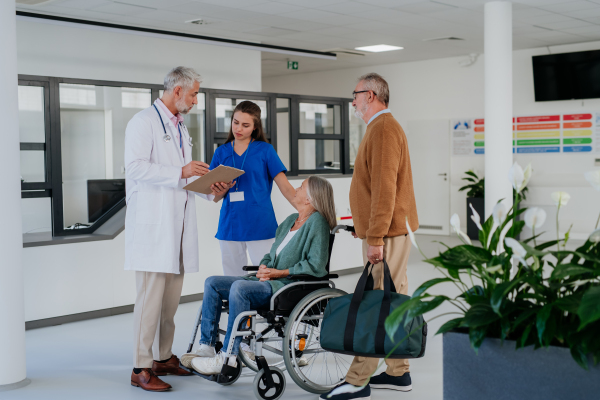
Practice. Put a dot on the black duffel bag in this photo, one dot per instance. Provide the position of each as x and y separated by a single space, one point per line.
354 324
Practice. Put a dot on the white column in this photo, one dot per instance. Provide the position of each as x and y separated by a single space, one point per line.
498 103
12 320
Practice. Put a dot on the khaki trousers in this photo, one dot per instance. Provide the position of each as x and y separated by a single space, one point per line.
395 251
157 300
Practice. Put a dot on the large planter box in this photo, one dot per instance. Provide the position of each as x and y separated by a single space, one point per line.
499 372
479 206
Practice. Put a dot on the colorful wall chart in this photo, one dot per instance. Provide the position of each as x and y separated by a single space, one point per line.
561 133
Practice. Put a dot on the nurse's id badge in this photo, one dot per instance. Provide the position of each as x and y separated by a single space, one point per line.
236 196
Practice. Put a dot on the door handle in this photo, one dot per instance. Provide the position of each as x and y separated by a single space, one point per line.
444 175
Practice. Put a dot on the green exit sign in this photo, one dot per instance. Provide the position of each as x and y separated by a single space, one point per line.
292 64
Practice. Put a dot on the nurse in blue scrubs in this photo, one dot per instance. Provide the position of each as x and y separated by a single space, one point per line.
247 221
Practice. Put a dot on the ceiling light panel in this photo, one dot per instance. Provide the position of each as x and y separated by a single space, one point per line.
378 48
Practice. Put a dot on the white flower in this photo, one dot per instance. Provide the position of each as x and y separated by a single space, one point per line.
595 236
347 388
593 177
411 234
519 251
455 223
475 217
515 176
499 213
560 198
535 217
519 178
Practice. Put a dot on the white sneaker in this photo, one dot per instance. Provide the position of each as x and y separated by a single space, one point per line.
206 351
202 351
302 361
247 351
211 365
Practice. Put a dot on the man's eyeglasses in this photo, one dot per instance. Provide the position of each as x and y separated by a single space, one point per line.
362 91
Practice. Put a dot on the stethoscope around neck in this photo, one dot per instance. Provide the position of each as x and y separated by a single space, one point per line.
167 137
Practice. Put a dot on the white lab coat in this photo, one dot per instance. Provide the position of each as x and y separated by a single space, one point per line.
157 205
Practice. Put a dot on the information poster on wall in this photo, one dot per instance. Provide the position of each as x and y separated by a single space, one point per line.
559 133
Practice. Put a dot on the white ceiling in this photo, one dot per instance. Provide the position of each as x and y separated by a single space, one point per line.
328 24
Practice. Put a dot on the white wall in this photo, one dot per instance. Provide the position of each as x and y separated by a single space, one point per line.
74 278
54 50
442 89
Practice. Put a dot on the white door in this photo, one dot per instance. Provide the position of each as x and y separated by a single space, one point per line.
429 147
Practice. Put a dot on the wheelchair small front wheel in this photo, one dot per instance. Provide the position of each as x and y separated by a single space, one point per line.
264 391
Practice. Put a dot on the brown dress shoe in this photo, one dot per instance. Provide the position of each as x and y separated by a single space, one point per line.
170 367
147 380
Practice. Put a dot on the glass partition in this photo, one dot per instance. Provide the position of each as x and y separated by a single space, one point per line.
31 114
36 215
93 121
319 154
320 119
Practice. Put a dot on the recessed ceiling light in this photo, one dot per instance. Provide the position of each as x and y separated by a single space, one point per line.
378 48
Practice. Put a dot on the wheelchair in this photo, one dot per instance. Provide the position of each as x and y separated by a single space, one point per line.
285 336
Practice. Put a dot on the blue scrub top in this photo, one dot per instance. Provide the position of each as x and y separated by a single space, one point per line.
253 218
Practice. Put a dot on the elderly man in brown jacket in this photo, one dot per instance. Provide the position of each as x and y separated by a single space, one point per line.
381 200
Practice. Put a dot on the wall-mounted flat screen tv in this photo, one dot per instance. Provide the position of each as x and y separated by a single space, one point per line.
567 76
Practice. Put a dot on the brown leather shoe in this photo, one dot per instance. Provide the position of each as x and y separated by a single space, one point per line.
170 367
147 380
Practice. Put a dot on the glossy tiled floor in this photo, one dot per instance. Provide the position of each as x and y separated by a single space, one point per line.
92 359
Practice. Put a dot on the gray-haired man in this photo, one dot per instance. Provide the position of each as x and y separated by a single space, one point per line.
161 238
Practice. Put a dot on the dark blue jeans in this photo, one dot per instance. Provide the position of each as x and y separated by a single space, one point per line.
242 295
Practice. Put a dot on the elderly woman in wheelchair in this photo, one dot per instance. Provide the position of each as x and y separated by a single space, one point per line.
300 252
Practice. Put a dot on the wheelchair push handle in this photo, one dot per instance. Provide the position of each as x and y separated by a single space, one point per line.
338 228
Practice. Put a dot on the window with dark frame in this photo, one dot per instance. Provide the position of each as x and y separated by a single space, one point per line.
70 191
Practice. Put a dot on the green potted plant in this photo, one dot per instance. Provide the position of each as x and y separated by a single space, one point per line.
527 314
476 199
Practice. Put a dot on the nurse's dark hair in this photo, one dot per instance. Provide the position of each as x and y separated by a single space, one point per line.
252 109
320 195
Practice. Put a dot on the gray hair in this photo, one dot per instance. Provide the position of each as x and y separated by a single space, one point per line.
181 76
378 85
320 195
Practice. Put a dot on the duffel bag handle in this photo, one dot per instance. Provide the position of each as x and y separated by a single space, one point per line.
384 311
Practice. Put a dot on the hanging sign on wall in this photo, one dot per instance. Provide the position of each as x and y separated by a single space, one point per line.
559 133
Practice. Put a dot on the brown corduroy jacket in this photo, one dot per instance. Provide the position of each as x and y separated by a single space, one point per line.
381 193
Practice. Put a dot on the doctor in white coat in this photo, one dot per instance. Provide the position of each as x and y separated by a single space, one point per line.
161 238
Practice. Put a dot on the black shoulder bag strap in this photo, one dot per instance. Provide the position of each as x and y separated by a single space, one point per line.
353 310
384 311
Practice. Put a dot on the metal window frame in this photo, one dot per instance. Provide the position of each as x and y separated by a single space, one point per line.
343 138
53 189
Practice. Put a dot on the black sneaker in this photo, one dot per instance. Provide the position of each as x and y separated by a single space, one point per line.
384 381
362 394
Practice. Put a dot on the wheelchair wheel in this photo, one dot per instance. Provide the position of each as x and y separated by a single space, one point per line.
262 389
320 370
271 349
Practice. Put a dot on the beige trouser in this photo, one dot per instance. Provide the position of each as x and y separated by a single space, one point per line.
157 299
395 251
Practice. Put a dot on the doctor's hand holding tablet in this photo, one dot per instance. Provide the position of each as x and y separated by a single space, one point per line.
247 220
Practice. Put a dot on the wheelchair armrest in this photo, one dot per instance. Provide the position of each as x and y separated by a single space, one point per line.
311 278
250 268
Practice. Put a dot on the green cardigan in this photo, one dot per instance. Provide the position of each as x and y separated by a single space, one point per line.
306 253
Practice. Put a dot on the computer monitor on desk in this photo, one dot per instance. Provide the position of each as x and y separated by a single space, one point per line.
103 194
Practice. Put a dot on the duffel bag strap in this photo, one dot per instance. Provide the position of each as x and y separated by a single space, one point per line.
353 310
384 311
